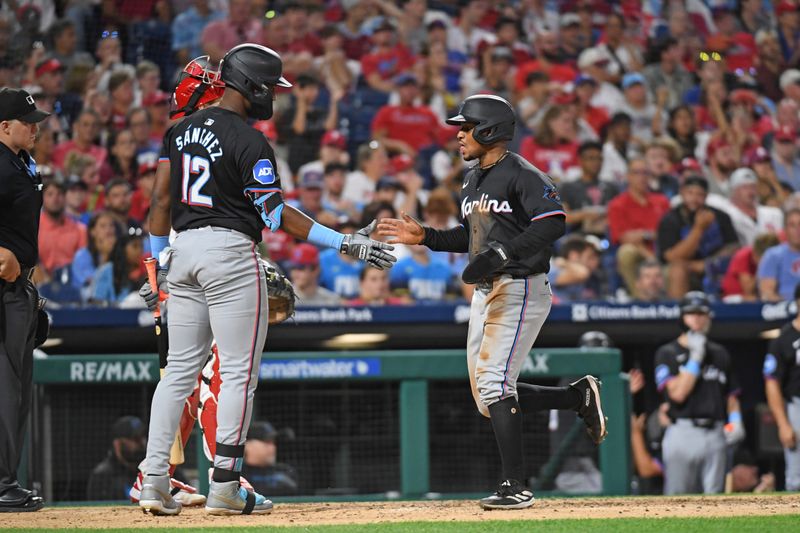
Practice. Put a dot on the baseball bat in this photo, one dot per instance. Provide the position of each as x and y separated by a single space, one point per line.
176 451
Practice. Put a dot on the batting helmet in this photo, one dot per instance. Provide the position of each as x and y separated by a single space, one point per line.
254 71
198 84
694 302
493 117
594 339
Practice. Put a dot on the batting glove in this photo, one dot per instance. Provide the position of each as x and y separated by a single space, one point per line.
360 246
485 263
734 429
152 299
696 343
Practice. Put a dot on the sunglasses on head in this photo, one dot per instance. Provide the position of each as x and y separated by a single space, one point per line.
709 56
109 34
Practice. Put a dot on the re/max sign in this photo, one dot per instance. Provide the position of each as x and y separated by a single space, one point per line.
110 371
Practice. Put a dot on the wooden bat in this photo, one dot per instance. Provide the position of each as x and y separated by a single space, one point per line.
176 452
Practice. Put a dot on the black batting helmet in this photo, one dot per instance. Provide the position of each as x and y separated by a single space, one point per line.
694 302
254 71
493 117
594 339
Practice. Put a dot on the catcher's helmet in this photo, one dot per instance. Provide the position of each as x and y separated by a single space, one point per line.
198 84
594 339
254 71
493 117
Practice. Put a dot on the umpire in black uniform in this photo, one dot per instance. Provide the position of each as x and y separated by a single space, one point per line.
20 203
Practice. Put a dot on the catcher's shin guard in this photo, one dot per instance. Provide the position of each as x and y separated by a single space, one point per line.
210 383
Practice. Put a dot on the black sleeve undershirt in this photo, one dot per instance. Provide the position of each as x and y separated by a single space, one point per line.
449 240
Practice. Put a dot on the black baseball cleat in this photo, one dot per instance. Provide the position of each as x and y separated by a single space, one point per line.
591 409
510 495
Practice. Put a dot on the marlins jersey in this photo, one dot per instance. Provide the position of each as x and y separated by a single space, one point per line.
499 203
782 362
717 381
214 157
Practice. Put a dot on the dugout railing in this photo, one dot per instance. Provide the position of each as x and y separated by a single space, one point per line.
400 386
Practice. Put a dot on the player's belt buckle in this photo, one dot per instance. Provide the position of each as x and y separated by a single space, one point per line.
705 423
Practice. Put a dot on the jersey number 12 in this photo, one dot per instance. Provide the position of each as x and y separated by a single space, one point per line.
197 166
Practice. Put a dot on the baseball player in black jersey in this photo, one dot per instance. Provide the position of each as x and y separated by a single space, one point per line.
782 385
697 380
217 187
511 214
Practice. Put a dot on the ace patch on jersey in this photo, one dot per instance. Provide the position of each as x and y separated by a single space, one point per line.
263 172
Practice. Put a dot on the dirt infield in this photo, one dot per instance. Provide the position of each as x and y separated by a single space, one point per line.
360 513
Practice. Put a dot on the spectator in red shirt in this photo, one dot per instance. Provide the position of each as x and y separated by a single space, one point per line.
596 117
633 219
300 36
237 28
387 59
84 133
356 44
554 149
121 162
157 105
140 199
507 32
406 127
740 283
120 88
59 235
548 60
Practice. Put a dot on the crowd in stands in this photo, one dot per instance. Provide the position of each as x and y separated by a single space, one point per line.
671 129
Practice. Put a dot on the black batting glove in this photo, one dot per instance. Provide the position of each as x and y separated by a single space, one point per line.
485 263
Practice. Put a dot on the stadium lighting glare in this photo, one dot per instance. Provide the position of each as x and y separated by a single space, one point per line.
354 340
770 334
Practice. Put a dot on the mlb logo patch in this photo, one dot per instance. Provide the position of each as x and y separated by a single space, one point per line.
263 172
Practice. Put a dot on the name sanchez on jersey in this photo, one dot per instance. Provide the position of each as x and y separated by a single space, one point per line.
202 136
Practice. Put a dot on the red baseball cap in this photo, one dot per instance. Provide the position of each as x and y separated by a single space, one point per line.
743 96
401 163
304 254
156 98
334 138
564 98
689 163
267 128
755 155
785 6
147 166
785 133
48 65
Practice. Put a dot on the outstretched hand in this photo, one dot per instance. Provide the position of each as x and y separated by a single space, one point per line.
405 231
361 246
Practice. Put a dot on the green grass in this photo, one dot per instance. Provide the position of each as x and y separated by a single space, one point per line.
756 524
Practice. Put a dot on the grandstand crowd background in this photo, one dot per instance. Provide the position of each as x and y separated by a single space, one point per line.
671 128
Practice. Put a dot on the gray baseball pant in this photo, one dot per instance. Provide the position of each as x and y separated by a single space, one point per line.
505 320
694 458
792 457
217 291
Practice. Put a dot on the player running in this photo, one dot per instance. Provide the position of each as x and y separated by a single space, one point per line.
512 215
217 187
